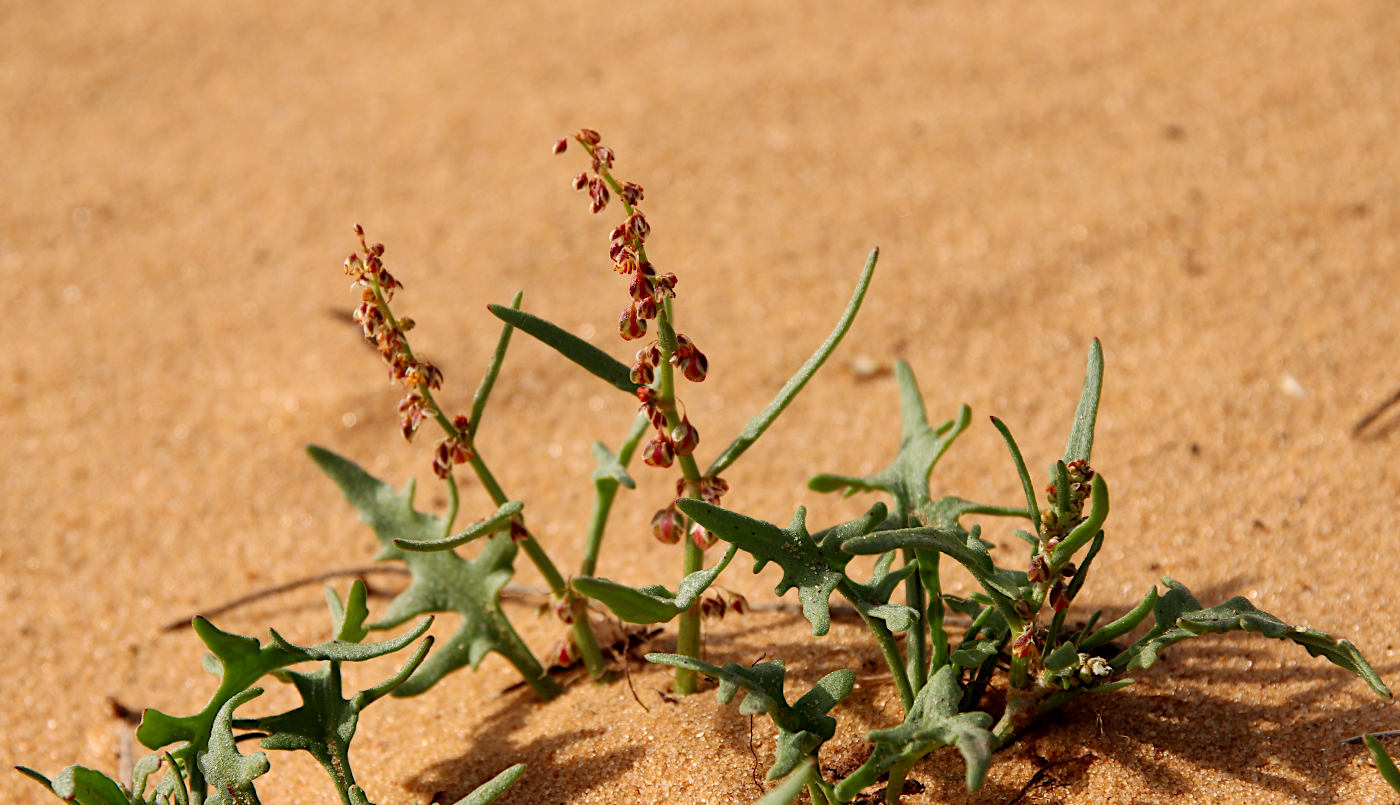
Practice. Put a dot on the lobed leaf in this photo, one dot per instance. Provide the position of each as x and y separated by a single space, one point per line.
933 721
802 727
228 771
653 603
442 580
920 447
1180 617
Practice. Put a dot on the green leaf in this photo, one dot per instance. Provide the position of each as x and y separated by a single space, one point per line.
570 346
1081 435
488 791
348 620
240 661
1180 617
81 785
1084 532
499 521
920 447
1027 486
442 580
792 786
230 773
815 570
1003 586
608 472
325 723
760 421
802 727
1384 764
653 603
932 722
493 369
1123 625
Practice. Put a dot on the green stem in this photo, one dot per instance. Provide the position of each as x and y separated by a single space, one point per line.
934 614
916 641
894 788
884 638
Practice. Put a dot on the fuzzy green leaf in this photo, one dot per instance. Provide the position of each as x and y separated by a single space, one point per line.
802 727
442 580
932 722
792 786
760 421
608 472
1081 435
490 525
81 785
229 772
814 569
1180 617
570 346
1003 586
487 792
920 447
653 603
325 723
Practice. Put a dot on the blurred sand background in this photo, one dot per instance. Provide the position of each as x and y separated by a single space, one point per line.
1209 188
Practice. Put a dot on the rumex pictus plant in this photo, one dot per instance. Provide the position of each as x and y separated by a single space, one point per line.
198 754
975 688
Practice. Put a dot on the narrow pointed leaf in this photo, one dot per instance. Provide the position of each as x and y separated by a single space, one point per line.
570 346
1081 435
489 791
1384 764
496 522
760 421
653 603
493 369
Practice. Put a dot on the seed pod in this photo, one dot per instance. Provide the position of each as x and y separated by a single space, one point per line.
1038 571
658 452
631 326
561 145
738 603
589 137
642 374
563 611
580 181
685 437
702 537
631 193
1059 598
666 525
695 367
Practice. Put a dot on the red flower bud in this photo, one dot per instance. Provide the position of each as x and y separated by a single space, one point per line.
685 437
658 452
641 374
589 137
630 325
738 603
695 367
702 537
561 145
666 525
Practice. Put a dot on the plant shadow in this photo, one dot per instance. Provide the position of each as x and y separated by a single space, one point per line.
450 780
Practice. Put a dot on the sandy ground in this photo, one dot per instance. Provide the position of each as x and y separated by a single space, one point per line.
1210 188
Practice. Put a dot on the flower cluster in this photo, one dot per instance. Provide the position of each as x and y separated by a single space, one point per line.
648 291
1055 526
418 377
